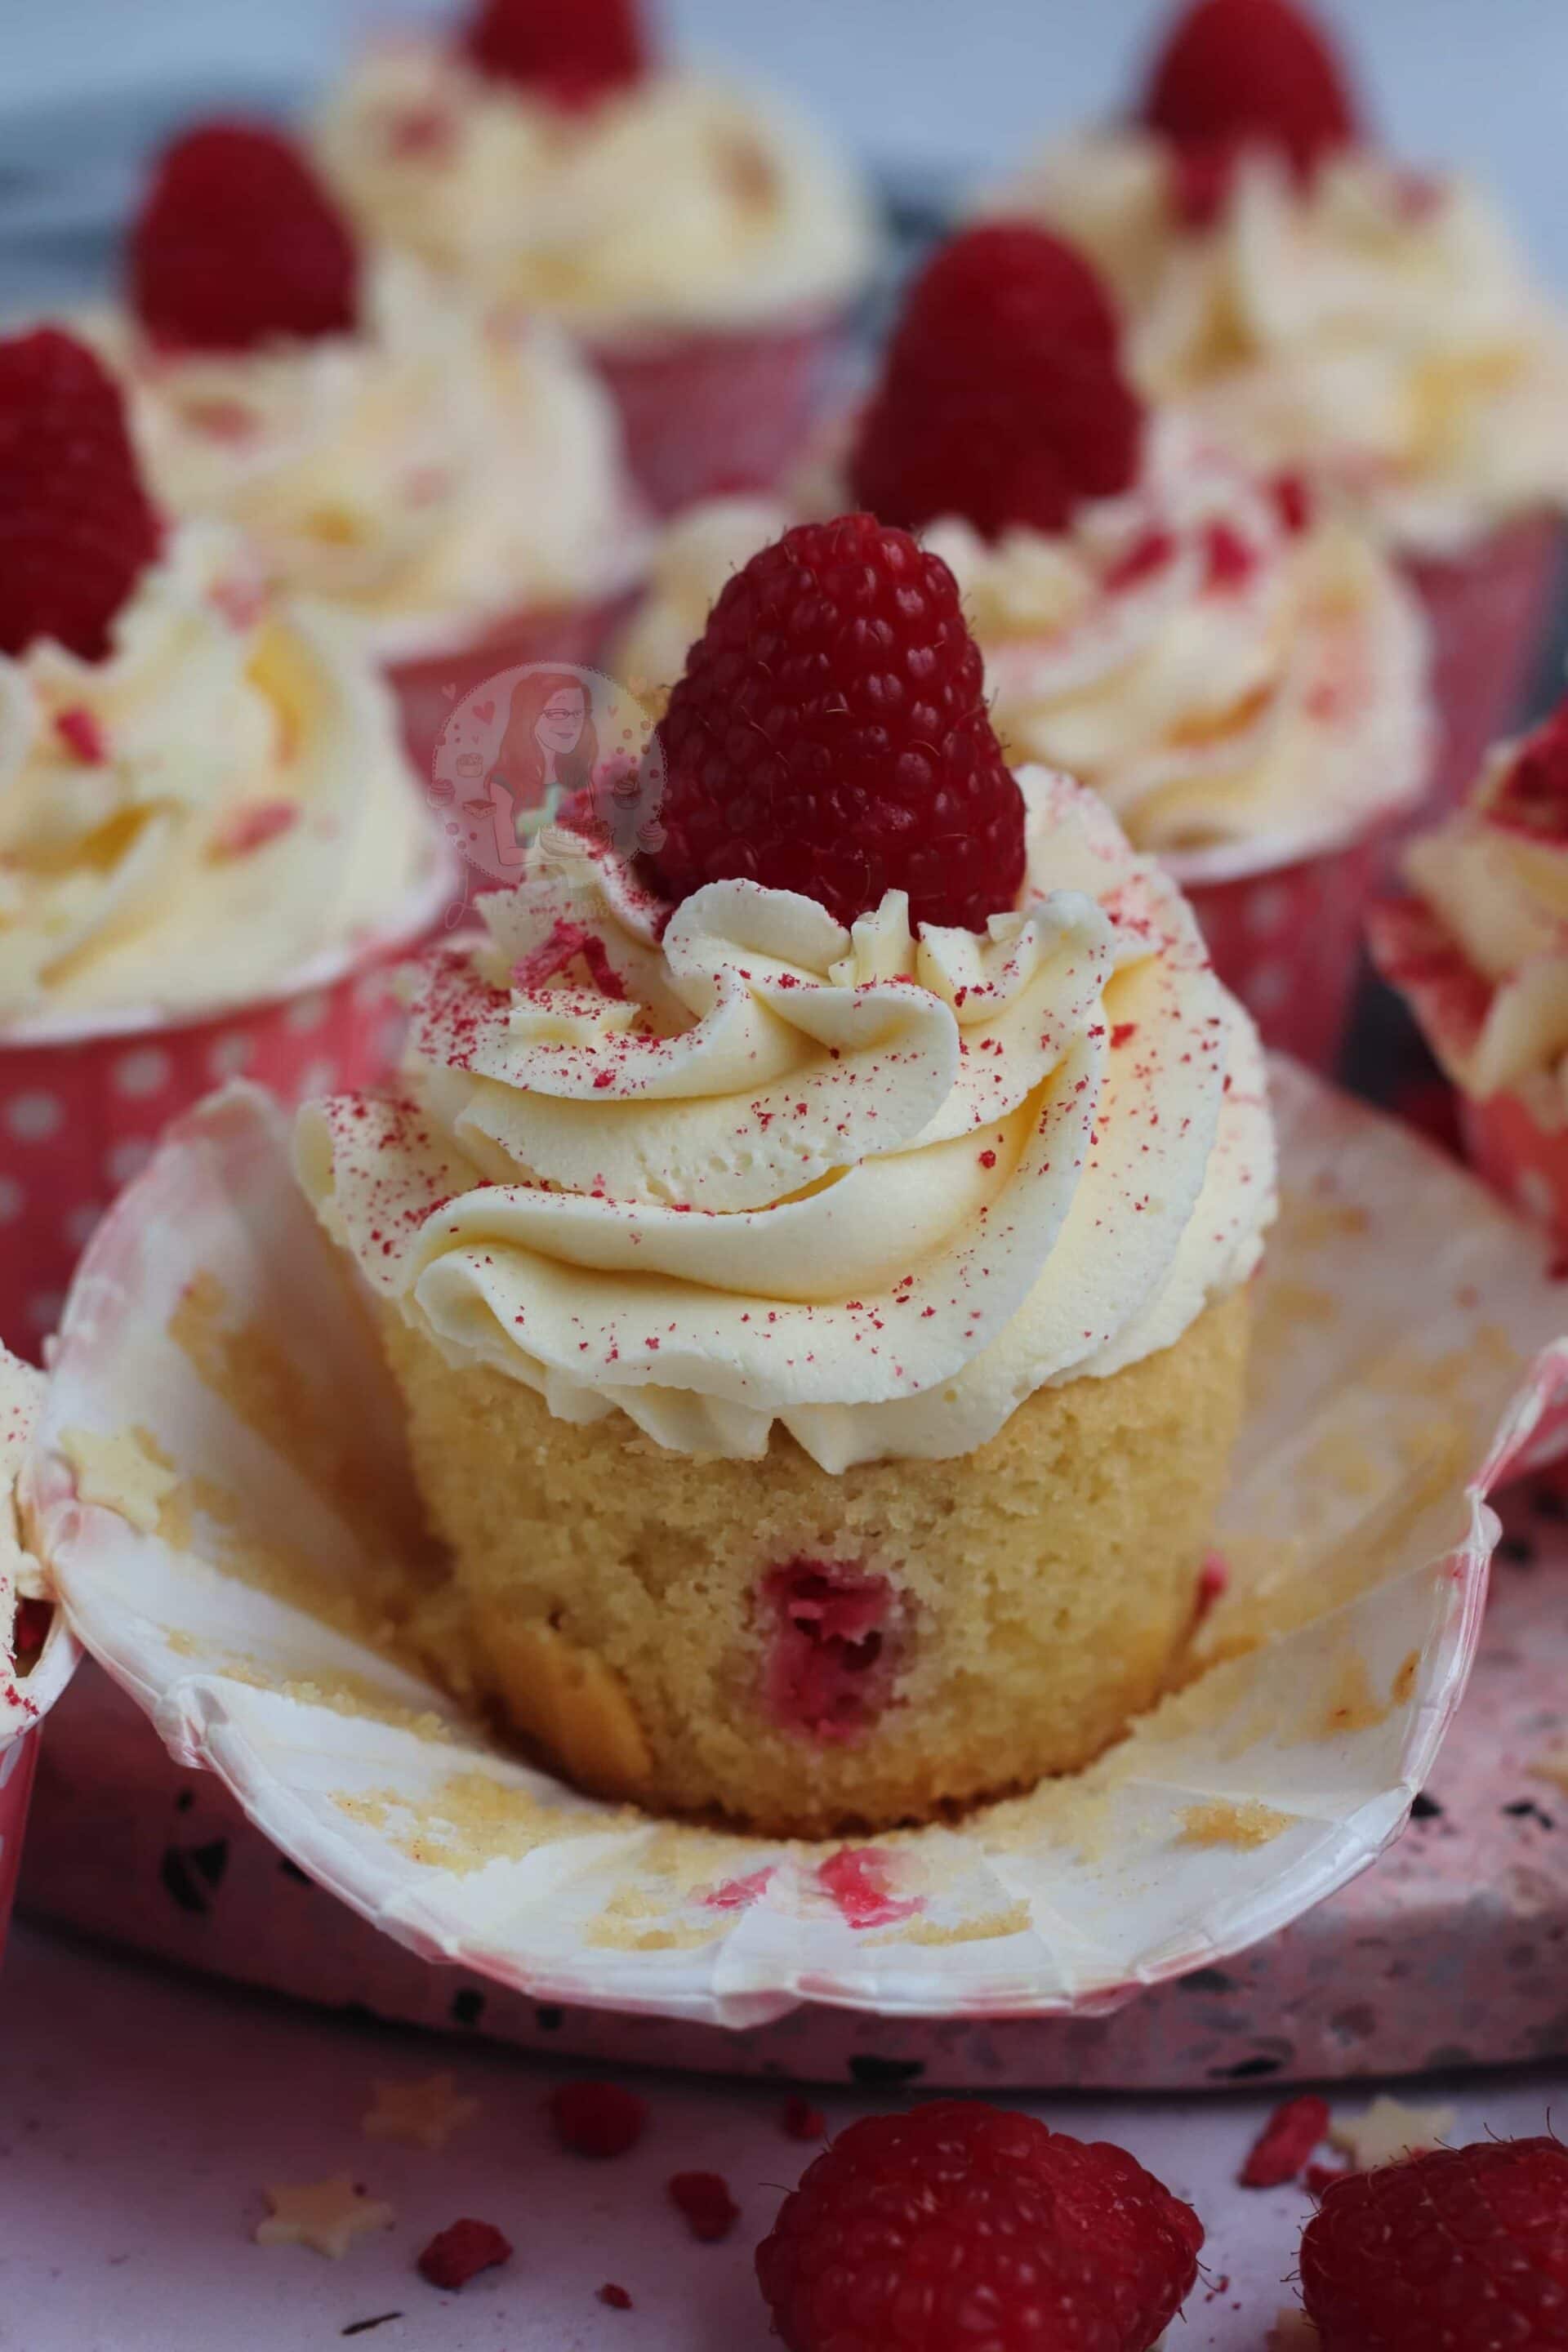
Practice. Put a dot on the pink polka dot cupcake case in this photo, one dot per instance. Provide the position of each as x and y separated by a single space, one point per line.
211 847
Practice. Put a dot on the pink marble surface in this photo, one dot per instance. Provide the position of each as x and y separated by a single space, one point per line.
144 2110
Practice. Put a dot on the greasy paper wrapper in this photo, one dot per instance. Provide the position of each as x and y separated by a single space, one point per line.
708 412
1285 937
429 684
1490 613
82 1105
1403 1362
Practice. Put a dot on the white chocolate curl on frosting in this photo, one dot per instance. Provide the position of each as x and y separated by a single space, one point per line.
676 202
220 801
878 1188
1379 329
1228 683
431 473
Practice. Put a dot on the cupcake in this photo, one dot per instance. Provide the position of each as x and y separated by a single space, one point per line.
815 1260
705 244
205 813
455 483
1235 668
1478 944
37 1654
1337 315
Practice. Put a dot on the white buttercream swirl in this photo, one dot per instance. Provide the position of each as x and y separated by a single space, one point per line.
1491 980
874 1187
220 800
1379 329
1225 682
430 473
673 203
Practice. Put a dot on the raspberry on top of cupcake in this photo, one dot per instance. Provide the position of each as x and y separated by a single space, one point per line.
382 444
817 1119
1479 945
884 1149
201 787
1330 308
1225 660
547 156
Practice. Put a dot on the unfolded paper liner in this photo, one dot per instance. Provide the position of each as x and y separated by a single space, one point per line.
428 686
84 1098
1407 1355
712 410
1490 612
25 1698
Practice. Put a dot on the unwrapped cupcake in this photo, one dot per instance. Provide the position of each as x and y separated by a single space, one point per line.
1478 946
705 244
206 819
454 480
1340 317
1235 668
815 1261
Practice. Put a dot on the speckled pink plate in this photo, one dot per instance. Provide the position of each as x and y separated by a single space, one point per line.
1404 1361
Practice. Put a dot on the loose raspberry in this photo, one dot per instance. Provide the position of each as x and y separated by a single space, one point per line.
1003 398
1240 73
461 2252
829 1660
959 2223
1463 2250
237 244
801 2120
76 528
1286 2141
597 2119
704 2201
573 52
1533 795
614 2297
831 737
82 734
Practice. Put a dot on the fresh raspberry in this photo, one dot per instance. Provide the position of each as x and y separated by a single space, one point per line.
1240 73
239 244
704 2202
1003 398
615 2298
829 1664
461 2252
830 736
573 52
963 2225
801 2120
1533 794
1463 2250
76 528
597 2119
1289 2136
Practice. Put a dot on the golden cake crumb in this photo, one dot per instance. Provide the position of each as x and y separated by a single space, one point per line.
1226 1822
127 1472
1293 2332
1552 1765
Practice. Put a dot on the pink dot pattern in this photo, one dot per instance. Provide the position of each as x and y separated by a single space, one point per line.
703 414
79 1121
1287 943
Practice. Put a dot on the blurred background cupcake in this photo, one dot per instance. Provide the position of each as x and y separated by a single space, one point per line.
1479 948
1237 668
1338 315
451 479
705 243
211 844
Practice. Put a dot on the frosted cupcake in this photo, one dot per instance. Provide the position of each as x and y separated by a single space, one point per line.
1336 315
1480 948
704 245
457 485
815 1262
1239 672
205 811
